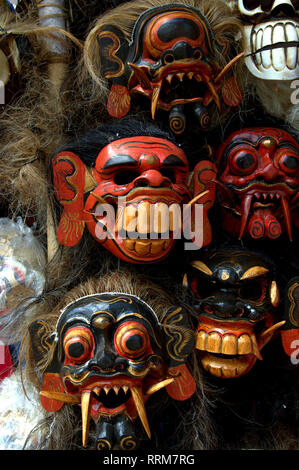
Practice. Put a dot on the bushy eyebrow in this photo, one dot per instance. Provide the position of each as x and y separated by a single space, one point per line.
119 160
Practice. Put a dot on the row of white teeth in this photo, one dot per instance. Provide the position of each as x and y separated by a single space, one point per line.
181 75
146 217
278 58
228 344
106 388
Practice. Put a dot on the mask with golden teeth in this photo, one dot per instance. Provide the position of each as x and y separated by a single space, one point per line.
237 306
172 59
109 354
131 200
258 170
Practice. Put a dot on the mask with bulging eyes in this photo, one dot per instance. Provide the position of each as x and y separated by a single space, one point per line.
131 200
258 169
110 354
271 38
237 308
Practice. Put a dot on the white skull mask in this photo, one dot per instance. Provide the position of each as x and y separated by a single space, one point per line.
271 38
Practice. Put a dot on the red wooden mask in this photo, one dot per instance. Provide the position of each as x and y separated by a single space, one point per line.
130 201
171 60
111 354
259 172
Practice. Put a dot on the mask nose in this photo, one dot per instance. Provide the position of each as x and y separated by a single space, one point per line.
152 178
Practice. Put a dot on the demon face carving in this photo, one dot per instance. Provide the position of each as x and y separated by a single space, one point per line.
271 38
130 201
172 60
237 307
110 355
260 170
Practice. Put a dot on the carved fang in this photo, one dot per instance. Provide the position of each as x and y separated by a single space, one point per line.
155 99
85 411
245 213
287 216
138 401
155 388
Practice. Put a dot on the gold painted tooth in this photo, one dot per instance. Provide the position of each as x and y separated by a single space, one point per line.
169 78
144 217
142 247
97 390
274 294
139 403
130 218
175 218
125 388
157 246
129 244
244 344
158 386
198 77
161 218
272 329
180 76
190 75
119 218
229 345
106 390
214 342
201 340
85 412
116 389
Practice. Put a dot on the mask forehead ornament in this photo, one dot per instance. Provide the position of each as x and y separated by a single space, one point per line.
143 180
238 299
110 354
271 38
172 59
259 167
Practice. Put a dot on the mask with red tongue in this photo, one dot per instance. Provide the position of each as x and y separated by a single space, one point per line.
237 309
259 180
110 353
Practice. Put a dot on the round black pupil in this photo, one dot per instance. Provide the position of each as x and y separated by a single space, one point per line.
76 349
245 161
291 162
134 343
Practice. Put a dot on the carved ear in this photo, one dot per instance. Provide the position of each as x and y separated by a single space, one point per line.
290 330
180 343
42 342
113 56
69 180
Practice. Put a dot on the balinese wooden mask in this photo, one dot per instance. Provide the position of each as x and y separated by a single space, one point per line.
110 353
130 200
259 167
237 308
173 60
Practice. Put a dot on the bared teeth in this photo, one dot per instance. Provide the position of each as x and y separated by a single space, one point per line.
190 75
277 196
169 78
228 344
106 389
97 390
116 389
180 76
257 195
265 195
198 77
125 388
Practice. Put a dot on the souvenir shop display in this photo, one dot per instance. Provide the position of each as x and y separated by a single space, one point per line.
149 176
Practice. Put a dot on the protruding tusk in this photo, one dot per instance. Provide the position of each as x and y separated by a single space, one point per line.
274 294
287 216
155 99
228 67
245 213
272 329
155 388
85 412
61 397
196 198
138 400
214 94
255 348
